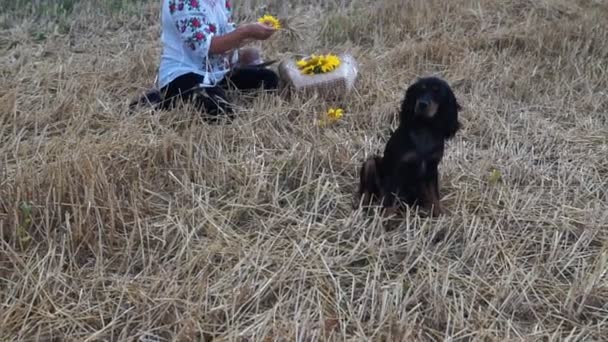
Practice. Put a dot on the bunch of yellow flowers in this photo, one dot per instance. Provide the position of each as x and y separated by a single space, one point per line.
318 64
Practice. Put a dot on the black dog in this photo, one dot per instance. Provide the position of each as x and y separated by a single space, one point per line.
408 171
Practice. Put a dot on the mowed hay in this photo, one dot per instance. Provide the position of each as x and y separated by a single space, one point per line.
155 226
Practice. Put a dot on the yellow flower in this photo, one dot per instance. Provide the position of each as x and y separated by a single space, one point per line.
271 21
318 64
495 176
331 62
333 115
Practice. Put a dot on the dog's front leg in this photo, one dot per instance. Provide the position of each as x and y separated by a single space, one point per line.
437 198
436 206
430 193
391 187
390 204
370 180
428 199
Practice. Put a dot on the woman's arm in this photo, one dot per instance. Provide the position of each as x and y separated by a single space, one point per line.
238 37
198 30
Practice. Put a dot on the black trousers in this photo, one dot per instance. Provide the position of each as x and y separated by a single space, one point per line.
212 102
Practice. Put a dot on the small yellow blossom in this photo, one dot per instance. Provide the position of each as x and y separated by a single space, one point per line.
495 176
271 21
332 115
335 113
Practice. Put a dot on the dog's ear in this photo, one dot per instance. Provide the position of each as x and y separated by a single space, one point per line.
451 107
408 105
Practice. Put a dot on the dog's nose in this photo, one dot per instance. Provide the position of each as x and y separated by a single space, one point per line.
422 106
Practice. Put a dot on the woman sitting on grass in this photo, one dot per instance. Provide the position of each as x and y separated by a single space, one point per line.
200 48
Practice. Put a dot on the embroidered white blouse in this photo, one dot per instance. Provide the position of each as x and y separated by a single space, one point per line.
187 29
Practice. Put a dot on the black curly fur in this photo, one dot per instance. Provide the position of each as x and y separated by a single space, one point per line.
408 171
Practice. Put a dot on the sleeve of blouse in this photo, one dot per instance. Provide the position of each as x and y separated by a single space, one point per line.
194 23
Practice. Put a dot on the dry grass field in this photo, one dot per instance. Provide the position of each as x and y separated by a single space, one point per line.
154 226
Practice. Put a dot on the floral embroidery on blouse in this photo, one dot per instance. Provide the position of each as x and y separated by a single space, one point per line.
199 29
196 40
180 5
195 24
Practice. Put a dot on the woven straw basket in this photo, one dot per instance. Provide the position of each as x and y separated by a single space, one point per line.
334 84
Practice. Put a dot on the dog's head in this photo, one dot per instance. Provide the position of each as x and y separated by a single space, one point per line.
430 99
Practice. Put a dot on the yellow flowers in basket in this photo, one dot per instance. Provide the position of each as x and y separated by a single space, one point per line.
271 21
318 64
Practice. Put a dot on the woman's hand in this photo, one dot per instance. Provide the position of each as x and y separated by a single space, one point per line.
257 31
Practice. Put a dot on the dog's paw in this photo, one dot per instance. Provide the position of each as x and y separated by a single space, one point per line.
441 235
389 212
437 211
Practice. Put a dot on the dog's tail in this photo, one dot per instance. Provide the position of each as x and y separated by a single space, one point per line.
151 98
